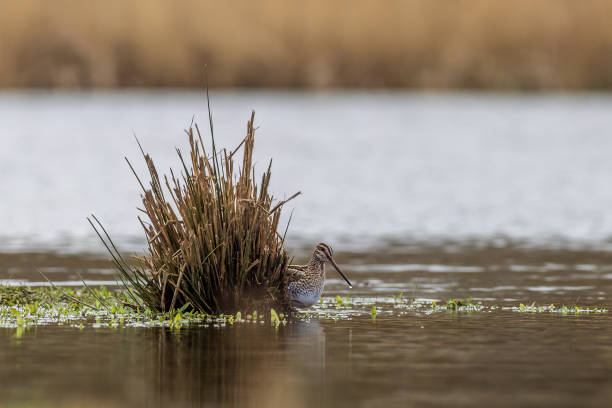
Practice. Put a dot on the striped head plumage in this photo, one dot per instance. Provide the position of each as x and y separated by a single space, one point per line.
324 253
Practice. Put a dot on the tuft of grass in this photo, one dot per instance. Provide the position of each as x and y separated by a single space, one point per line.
212 232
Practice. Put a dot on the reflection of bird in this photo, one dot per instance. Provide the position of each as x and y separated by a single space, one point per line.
306 282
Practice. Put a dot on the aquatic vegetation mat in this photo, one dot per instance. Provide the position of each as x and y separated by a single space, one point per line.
98 307
22 307
212 231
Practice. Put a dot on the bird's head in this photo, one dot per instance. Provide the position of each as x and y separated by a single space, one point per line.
324 253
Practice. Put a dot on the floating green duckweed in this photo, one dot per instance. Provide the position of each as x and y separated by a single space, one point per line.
274 318
564 310
339 308
98 307
341 302
23 307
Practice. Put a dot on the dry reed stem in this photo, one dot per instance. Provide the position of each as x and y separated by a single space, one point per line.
213 244
525 44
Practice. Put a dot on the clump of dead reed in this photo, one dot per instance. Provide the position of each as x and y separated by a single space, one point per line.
212 232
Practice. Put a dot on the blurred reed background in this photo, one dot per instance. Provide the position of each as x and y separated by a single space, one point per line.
519 44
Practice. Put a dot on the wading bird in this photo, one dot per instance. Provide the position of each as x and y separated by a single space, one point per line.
306 282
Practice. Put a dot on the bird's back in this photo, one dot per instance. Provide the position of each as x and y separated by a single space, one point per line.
295 273
304 288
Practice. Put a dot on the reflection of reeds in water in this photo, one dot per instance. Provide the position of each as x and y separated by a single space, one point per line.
238 366
212 233
422 43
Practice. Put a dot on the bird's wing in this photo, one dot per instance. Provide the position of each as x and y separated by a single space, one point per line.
295 272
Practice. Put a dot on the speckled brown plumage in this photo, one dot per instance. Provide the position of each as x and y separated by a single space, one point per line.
306 282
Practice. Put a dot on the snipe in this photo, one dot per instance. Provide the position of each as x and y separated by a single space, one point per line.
306 282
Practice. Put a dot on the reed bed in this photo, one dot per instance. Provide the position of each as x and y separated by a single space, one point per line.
525 44
212 232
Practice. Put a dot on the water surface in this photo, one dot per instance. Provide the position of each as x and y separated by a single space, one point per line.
372 167
340 356
495 359
501 198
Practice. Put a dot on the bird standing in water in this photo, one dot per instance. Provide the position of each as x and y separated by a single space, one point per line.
306 282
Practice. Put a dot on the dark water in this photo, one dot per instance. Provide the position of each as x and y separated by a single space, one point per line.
502 198
405 357
496 359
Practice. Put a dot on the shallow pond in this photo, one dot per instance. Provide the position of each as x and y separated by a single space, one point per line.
496 353
426 197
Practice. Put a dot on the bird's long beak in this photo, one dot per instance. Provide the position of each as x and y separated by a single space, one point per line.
340 272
